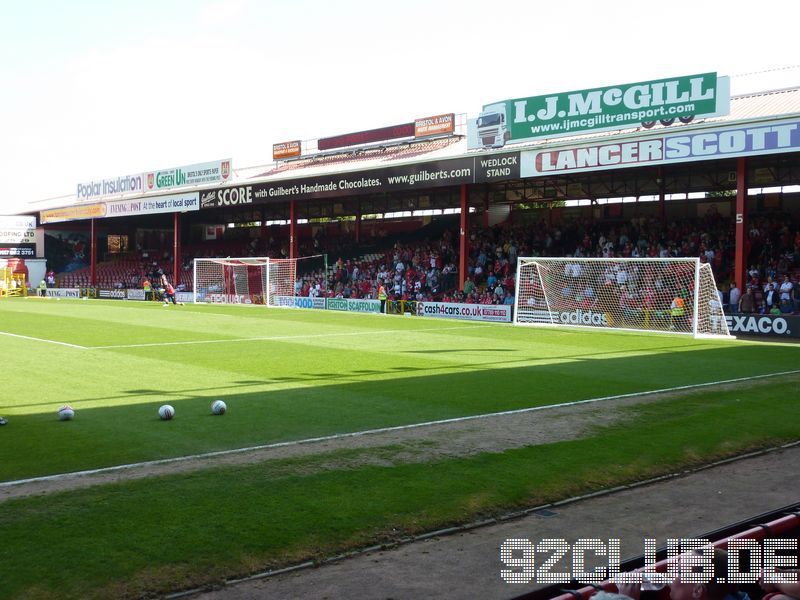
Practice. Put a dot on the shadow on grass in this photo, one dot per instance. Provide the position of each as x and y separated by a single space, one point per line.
98 437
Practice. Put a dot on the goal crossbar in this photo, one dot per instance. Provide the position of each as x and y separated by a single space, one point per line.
251 279
668 295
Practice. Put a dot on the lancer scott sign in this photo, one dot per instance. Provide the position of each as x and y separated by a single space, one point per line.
764 325
473 169
770 137
598 109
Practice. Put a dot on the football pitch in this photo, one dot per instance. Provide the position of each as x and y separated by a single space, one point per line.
291 376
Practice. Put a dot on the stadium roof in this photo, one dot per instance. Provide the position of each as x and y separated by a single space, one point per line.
746 107
750 107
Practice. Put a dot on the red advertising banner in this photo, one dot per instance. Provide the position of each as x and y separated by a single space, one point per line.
366 137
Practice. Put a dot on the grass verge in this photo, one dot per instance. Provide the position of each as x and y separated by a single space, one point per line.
167 533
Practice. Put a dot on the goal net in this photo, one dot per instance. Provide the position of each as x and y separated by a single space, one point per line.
255 280
676 295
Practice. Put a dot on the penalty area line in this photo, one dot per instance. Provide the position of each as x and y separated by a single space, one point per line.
353 434
35 339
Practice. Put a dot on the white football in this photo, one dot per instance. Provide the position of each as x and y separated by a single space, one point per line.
166 412
218 407
66 413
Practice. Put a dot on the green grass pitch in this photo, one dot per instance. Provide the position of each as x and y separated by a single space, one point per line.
291 375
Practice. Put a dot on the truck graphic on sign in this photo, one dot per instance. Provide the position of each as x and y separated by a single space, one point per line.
492 125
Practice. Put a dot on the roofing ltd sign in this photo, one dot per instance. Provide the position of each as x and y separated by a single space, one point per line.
18 236
599 109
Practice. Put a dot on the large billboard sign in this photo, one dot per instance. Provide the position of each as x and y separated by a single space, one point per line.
189 201
73 213
209 172
217 171
127 184
18 236
599 109
770 137
436 125
367 137
472 169
286 150
158 204
17 230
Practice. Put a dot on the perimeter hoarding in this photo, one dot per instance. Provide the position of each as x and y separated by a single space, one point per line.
498 313
764 325
472 169
599 109
353 305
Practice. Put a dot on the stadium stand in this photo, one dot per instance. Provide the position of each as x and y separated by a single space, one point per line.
422 264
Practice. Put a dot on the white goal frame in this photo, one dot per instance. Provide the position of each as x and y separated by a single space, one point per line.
579 292
243 280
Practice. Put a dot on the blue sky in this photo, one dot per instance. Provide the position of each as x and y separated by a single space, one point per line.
101 89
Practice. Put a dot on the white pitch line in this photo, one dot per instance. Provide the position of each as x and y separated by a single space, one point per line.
27 337
339 436
285 337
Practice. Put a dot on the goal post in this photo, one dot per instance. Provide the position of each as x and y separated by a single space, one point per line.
255 280
670 295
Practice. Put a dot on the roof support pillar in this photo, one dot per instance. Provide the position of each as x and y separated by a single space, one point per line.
93 253
358 223
176 248
293 229
740 261
486 209
463 240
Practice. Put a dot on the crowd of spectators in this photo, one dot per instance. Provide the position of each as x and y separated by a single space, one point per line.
427 269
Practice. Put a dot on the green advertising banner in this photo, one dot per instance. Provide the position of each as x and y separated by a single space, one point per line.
600 109
353 305
336 303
